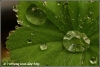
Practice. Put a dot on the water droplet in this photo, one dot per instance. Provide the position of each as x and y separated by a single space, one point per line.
36 64
15 8
29 41
93 60
82 61
19 21
33 9
16 15
74 41
55 16
58 4
16 27
80 26
45 3
91 12
43 46
88 17
32 33
35 15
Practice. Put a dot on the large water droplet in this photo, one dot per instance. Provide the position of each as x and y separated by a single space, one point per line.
35 15
82 61
15 8
43 46
74 41
93 60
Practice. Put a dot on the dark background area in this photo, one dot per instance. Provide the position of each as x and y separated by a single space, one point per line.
8 23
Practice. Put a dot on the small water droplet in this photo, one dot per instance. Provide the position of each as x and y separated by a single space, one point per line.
16 27
58 4
15 8
19 21
45 3
33 9
16 15
72 19
73 41
36 64
80 26
32 33
91 12
93 60
82 61
29 41
88 17
43 46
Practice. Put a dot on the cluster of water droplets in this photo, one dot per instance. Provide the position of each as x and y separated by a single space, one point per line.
75 41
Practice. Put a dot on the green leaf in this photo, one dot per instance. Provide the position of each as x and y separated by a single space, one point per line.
44 25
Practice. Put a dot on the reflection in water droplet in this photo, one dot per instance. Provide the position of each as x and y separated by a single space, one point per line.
29 41
15 8
43 46
35 15
36 64
19 21
93 60
74 41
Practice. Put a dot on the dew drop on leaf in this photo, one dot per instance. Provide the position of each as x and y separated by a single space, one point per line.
15 8
74 41
32 33
16 27
19 21
45 3
82 61
80 26
93 60
43 46
29 41
35 15
33 9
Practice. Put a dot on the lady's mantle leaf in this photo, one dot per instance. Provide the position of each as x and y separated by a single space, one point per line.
42 43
